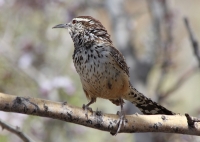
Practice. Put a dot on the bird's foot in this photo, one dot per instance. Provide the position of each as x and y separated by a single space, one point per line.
86 108
121 121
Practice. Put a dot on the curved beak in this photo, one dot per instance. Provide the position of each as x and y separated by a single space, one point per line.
61 26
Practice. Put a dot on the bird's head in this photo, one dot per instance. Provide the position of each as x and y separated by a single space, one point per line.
86 27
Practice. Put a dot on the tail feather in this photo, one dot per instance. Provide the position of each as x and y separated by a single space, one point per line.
146 105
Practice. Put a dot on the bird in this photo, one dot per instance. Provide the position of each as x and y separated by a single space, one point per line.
103 69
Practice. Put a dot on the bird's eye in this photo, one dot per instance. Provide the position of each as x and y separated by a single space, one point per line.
74 21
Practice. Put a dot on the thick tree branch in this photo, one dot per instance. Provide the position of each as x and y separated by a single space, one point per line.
16 131
97 120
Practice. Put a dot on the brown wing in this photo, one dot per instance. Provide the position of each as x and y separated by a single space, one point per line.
119 58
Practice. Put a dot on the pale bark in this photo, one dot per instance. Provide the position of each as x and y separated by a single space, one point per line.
105 122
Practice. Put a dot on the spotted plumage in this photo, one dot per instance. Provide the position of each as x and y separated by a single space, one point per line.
102 68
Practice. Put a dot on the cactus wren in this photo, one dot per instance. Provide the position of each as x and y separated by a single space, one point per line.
102 68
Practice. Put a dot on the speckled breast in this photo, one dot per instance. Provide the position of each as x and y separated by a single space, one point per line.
99 73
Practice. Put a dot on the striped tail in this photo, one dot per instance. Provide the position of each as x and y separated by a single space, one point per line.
146 105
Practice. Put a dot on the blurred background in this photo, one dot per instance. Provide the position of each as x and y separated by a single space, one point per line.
36 61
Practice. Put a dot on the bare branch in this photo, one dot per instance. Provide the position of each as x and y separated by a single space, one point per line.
191 71
191 120
163 21
97 120
179 83
193 40
16 131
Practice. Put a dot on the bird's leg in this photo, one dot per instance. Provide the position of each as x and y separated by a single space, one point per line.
86 107
121 114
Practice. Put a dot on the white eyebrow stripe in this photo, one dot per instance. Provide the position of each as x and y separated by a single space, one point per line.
82 19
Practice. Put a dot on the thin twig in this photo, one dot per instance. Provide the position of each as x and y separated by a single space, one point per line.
16 131
193 40
162 23
191 120
179 83
190 72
